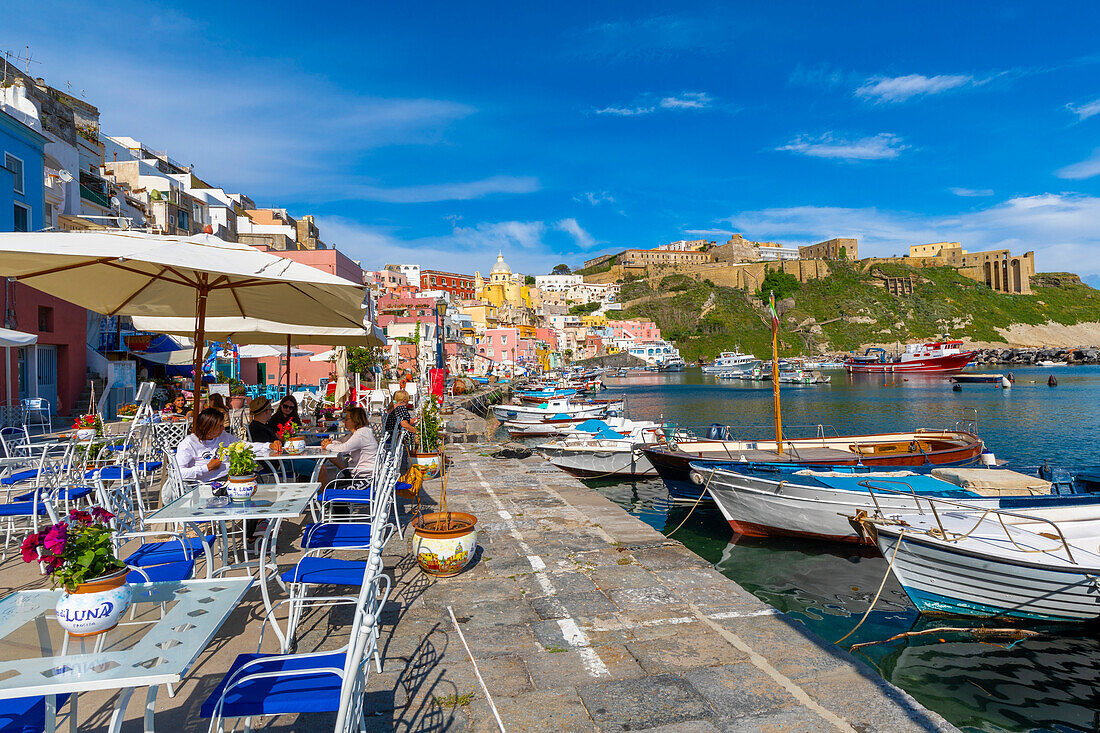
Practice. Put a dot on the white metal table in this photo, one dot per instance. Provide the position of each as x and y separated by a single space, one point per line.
173 623
278 464
271 502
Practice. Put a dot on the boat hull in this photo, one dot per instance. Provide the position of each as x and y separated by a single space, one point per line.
607 463
930 365
944 580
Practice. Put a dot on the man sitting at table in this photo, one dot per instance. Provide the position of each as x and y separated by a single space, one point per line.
197 454
258 428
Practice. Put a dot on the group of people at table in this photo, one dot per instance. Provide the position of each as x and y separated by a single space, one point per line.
198 453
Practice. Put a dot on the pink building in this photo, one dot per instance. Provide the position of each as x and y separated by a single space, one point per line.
390 281
593 346
505 345
634 331
328 260
548 336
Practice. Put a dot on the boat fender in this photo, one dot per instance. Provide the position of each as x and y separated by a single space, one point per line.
714 432
956 387
1052 382
1005 383
696 478
987 458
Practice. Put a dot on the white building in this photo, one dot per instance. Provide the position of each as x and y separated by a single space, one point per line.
557 283
769 253
411 272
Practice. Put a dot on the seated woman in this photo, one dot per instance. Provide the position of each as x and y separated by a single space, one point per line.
287 412
360 446
197 454
177 405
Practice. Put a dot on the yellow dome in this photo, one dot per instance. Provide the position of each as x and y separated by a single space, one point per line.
501 267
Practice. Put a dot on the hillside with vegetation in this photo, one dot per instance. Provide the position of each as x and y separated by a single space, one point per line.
849 310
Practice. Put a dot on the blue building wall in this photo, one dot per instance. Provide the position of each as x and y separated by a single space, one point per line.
27 145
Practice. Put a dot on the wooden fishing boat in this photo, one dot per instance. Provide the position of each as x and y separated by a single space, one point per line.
919 448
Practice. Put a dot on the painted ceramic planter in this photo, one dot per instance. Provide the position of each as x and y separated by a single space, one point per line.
95 606
444 543
294 446
430 461
241 488
85 434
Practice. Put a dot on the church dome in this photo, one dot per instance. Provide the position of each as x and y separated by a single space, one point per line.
501 267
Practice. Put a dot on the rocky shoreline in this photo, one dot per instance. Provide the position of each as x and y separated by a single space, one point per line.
1025 356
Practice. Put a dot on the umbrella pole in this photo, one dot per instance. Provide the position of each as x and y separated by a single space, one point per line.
288 363
200 337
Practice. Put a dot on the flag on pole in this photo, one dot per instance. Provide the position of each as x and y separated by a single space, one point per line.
775 316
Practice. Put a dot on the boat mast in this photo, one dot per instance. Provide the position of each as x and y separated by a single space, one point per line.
775 374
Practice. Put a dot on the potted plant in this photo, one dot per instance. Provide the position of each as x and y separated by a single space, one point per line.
241 484
78 555
236 396
88 427
430 438
127 412
290 436
444 542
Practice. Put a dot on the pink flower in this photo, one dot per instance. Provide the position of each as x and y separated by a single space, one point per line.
101 514
81 516
53 563
55 539
29 548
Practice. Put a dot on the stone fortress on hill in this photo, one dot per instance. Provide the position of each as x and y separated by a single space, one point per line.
741 263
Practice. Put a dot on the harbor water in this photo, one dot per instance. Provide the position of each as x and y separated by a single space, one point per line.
1044 683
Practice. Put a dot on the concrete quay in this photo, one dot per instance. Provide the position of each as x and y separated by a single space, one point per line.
581 618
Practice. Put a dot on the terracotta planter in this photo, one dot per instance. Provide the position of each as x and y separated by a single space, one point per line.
95 606
241 488
428 460
236 401
444 543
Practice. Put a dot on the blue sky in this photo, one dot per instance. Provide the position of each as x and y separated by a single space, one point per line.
441 132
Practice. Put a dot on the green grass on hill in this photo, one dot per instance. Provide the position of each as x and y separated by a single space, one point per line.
860 312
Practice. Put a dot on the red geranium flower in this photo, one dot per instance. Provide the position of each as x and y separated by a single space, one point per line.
81 516
29 548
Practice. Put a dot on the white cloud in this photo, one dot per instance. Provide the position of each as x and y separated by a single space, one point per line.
1084 111
1062 229
625 111
595 197
583 239
687 100
902 88
1085 169
463 191
883 146
971 192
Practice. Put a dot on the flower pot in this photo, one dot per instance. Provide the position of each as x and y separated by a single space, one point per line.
444 542
241 488
430 461
236 401
95 606
294 446
85 433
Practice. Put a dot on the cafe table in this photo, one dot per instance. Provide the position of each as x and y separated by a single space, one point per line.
271 502
172 623
278 464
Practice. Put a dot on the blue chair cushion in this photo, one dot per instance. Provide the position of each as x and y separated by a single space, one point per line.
309 693
347 495
73 492
150 465
110 473
25 714
326 571
19 476
159 573
157 553
20 509
335 534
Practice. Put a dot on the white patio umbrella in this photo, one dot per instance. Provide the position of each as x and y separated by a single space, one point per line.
10 339
263 351
136 274
329 355
340 395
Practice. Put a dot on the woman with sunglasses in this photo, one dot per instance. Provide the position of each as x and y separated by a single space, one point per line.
287 411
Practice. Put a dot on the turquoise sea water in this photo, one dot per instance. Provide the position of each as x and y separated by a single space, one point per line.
1047 683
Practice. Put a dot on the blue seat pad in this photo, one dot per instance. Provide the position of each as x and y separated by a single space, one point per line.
158 573
157 553
20 509
25 714
73 493
150 465
19 476
312 693
351 496
326 571
335 534
110 473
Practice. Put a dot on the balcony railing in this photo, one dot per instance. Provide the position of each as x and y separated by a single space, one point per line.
96 197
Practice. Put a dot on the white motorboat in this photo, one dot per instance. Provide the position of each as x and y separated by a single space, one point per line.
1026 562
1049 363
766 501
563 408
606 454
729 361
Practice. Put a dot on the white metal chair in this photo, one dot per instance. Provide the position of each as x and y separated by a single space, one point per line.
39 406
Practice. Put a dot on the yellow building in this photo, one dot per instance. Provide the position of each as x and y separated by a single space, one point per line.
483 315
502 287
594 320
934 249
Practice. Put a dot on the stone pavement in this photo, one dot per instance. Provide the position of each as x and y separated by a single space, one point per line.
581 617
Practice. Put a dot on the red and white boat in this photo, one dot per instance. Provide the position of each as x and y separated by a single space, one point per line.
941 357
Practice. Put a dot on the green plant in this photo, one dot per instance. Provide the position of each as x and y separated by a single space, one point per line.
242 459
529 280
430 427
780 283
453 700
76 549
562 269
584 309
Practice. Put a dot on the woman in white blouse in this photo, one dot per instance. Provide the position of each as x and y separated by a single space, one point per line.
360 446
197 454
